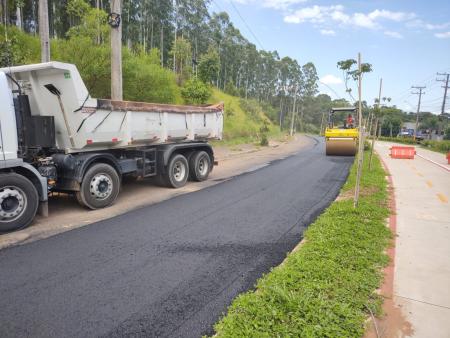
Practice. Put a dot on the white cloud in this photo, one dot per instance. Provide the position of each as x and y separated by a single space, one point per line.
330 79
322 14
313 14
275 4
444 35
327 32
394 16
392 34
363 20
281 4
428 26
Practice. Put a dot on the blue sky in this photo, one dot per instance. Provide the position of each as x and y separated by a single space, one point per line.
406 42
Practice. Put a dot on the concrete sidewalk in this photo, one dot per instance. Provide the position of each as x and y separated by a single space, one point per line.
422 252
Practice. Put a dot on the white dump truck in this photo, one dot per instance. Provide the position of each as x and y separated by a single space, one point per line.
55 137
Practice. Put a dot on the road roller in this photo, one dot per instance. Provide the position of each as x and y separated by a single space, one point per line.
341 140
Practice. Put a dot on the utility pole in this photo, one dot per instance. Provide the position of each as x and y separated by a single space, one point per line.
376 124
447 75
116 50
321 124
361 136
293 112
420 93
44 31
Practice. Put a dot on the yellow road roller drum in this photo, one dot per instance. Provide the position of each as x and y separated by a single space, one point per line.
341 141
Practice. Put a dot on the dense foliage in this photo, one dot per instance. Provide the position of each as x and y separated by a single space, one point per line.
195 91
166 43
189 39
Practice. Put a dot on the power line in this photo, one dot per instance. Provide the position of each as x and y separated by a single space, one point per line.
406 93
217 5
246 25
335 93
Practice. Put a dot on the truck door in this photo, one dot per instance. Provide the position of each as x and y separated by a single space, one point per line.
8 128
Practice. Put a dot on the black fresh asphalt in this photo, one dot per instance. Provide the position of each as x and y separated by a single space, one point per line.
170 269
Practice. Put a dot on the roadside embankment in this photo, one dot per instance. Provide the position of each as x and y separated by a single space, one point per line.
326 288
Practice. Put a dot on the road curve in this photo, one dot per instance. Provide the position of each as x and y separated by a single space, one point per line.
172 268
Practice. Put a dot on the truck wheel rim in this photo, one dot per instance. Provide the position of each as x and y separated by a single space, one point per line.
101 186
13 203
203 166
179 171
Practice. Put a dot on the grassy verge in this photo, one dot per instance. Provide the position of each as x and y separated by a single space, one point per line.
326 288
439 146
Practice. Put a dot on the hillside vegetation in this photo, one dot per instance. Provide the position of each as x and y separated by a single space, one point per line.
144 80
245 121
173 52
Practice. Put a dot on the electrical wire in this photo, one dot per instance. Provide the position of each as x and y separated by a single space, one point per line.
338 97
246 25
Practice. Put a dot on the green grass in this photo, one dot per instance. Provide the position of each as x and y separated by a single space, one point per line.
325 288
243 120
438 146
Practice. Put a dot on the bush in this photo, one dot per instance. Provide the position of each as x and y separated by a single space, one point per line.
252 108
447 134
441 146
145 80
195 91
93 62
231 89
264 140
19 49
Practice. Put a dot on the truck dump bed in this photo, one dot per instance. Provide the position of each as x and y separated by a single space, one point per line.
83 123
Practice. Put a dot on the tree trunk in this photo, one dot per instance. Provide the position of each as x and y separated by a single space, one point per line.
19 17
5 12
161 45
151 34
97 4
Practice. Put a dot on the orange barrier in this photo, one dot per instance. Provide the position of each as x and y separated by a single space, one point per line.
448 157
403 152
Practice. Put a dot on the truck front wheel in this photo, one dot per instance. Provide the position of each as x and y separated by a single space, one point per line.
19 202
100 186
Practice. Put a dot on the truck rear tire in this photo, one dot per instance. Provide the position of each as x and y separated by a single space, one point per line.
100 187
177 171
19 202
199 166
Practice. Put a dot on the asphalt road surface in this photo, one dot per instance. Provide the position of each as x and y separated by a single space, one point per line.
169 269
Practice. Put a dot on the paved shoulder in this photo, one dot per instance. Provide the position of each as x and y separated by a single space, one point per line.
169 269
